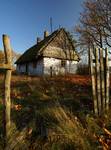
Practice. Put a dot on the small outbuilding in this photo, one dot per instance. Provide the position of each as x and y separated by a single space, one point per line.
53 55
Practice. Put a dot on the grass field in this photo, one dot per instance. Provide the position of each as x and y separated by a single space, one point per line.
52 113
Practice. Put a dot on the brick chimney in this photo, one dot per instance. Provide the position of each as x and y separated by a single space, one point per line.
46 34
38 40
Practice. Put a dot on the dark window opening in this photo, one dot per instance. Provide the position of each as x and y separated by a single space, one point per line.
19 67
34 64
63 63
27 68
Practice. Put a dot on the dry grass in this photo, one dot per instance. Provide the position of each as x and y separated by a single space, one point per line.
60 106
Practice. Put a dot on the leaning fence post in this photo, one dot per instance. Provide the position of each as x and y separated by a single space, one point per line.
7 102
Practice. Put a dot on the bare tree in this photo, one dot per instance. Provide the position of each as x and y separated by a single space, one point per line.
95 23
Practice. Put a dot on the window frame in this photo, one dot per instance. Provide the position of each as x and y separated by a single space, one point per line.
34 64
63 63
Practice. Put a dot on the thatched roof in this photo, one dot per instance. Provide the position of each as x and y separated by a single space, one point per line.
36 51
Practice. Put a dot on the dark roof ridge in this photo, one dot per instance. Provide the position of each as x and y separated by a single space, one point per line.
42 44
50 39
34 52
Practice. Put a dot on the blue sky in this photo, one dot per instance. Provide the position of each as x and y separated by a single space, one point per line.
25 20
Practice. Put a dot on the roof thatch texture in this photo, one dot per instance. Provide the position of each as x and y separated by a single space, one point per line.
37 51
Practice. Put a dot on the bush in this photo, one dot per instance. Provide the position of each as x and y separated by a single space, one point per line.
82 69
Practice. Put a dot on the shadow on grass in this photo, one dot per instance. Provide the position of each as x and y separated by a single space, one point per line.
36 97
50 105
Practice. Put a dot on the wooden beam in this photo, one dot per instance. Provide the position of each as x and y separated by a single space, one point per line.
6 66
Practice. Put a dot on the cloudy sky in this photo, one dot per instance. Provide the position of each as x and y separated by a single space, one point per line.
25 20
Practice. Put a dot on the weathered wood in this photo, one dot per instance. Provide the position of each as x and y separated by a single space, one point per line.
5 66
8 61
107 80
97 65
51 71
102 79
7 49
93 83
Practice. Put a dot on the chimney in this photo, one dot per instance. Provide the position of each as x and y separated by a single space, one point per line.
46 34
38 40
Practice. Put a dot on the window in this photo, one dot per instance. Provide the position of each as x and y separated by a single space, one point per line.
34 64
63 63
19 66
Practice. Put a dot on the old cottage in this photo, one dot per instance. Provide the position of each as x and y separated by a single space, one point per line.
53 55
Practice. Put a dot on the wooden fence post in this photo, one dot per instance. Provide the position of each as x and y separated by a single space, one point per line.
102 76
93 83
100 81
107 80
8 67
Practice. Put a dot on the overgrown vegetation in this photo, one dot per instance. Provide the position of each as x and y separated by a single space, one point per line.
53 114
